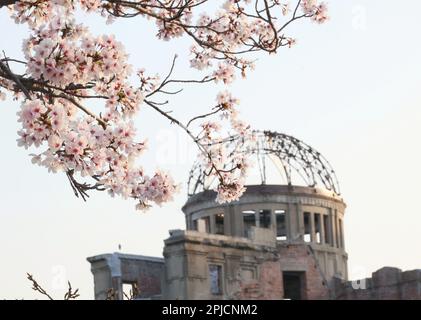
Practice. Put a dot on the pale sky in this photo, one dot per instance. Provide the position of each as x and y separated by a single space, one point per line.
349 88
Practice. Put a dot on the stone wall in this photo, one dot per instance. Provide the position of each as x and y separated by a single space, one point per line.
385 284
249 270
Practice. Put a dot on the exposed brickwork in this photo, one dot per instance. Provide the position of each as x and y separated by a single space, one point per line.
298 257
271 280
267 287
269 284
250 291
148 276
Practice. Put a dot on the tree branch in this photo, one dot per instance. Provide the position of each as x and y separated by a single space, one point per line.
4 3
9 74
37 287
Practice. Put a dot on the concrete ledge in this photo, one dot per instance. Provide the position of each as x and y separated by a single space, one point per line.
124 256
262 192
190 236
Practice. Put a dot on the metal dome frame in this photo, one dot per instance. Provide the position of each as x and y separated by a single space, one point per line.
292 155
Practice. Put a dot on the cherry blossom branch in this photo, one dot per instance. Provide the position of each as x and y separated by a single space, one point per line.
36 86
216 110
168 81
4 3
37 287
203 147
182 126
80 189
8 74
69 295
66 67
169 16
81 107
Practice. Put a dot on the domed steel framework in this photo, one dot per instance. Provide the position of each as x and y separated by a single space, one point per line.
297 162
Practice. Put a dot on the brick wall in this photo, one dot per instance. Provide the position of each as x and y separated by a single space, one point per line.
147 274
298 257
293 257
267 287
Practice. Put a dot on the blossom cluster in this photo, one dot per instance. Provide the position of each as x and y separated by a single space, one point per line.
65 54
231 32
230 163
235 28
317 11
38 12
78 143
77 66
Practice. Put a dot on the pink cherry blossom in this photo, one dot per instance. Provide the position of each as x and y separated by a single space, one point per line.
69 72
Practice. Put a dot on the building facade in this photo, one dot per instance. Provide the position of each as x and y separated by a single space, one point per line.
276 242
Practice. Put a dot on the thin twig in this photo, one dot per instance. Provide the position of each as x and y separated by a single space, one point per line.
37 287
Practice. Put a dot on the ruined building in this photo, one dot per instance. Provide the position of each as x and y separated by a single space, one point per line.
279 241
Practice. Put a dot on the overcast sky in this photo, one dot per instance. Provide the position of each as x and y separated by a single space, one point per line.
349 88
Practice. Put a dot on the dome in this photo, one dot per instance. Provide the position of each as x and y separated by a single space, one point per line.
279 157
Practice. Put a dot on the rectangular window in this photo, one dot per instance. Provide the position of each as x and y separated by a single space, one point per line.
219 223
327 229
215 277
130 290
318 227
202 224
264 218
338 244
341 233
307 227
294 285
249 220
281 230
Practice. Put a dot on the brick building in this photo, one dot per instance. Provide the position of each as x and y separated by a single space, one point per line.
278 241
